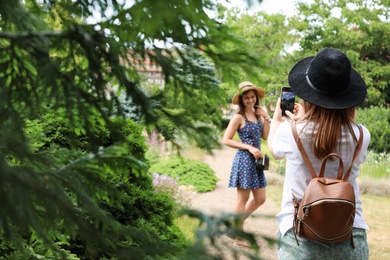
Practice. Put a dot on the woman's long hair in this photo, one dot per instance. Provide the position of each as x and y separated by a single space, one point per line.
328 125
241 106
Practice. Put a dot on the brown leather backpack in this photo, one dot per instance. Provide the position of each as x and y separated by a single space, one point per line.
327 210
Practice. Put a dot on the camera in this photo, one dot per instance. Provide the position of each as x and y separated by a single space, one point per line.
262 163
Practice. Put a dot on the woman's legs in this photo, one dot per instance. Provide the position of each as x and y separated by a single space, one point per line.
242 199
243 206
246 208
256 202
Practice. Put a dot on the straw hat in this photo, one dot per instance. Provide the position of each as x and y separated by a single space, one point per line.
328 80
244 87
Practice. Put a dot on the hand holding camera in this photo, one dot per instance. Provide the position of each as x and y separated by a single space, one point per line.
287 100
262 164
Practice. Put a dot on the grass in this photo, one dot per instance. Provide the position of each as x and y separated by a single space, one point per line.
376 211
188 226
274 193
378 187
377 166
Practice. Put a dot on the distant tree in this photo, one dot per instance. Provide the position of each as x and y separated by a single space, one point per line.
360 28
187 100
268 35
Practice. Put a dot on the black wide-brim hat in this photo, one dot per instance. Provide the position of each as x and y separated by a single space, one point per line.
328 80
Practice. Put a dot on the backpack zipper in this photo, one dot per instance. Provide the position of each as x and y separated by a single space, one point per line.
305 209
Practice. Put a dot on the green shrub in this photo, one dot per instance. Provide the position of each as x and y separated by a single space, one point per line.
377 121
188 172
148 215
152 213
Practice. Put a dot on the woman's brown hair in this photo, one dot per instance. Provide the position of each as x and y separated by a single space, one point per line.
241 106
329 124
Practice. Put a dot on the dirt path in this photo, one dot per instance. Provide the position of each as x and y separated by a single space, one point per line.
222 199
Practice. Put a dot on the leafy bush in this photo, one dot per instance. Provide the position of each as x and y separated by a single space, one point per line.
377 121
140 211
150 212
188 172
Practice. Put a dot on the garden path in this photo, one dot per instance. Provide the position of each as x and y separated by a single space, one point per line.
221 200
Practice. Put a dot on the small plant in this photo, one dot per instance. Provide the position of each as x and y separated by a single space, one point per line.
187 172
157 147
183 194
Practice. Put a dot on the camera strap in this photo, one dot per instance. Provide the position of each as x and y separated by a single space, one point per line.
265 159
250 124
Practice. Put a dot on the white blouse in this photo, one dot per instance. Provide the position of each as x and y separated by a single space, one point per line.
297 176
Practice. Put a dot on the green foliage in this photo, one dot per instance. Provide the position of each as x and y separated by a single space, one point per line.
150 215
188 226
129 109
377 121
268 35
141 217
62 74
198 98
138 207
359 28
34 248
376 166
188 172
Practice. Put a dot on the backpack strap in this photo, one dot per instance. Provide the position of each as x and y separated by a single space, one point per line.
302 150
357 151
340 171
307 160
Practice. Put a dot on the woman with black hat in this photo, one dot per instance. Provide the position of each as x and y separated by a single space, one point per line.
330 89
251 122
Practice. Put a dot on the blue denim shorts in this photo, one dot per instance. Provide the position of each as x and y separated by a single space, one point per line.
310 249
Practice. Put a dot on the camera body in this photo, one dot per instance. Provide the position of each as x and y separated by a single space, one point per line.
259 164
262 163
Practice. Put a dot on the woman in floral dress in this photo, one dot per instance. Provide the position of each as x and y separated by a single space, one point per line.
251 122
